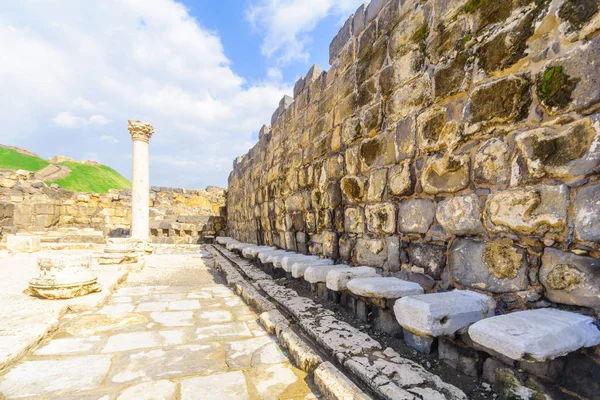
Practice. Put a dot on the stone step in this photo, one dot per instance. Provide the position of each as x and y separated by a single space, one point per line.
251 252
318 273
383 287
299 267
275 259
442 314
223 240
536 335
337 280
263 256
287 262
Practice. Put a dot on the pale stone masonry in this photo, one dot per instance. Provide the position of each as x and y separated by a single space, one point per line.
141 133
454 144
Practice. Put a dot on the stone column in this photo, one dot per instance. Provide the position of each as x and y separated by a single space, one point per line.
141 133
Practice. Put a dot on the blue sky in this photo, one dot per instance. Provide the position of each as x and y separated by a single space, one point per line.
206 74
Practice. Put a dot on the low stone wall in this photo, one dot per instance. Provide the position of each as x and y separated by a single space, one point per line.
177 215
452 143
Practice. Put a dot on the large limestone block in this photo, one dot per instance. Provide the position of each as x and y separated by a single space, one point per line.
383 288
223 240
338 279
300 267
318 274
460 215
372 252
23 244
587 213
494 266
64 277
536 335
529 210
251 253
571 279
442 314
416 215
265 255
287 262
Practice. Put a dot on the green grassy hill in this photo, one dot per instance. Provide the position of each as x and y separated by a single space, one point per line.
83 177
12 159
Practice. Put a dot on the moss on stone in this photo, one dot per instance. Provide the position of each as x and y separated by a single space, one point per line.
474 5
561 150
352 189
554 87
421 34
578 12
467 38
370 150
564 277
502 260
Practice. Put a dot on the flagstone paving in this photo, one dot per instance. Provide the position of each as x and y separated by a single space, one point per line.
174 331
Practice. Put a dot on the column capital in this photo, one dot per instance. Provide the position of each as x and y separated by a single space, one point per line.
139 130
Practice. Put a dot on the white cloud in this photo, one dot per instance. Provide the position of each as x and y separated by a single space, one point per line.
95 64
67 119
287 23
109 139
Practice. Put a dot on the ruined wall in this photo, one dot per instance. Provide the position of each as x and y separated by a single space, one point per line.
455 143
177 215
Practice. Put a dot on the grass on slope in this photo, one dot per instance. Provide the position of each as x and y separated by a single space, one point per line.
13 160
91 178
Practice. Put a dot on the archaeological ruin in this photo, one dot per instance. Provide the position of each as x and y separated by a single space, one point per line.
421 221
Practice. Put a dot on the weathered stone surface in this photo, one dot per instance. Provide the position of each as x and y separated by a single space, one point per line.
430 258
338 279
395 377
587 213
460 215
442 314
571 279
381 218
23 244
383 288
492 162
497 267
371 252
335 385
64 277
536 335
529 210
162 389
353 189
416 215
318 274
55 377
577 13
299 268
500 101
354 220
567 84
400 179
562 152
445 174
409 99
377 183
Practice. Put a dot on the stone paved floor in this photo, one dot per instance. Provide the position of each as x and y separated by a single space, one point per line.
174 331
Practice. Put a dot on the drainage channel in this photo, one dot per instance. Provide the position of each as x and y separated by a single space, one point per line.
294 326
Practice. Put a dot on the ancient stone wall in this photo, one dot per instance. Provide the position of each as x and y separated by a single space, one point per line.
455 143
176 215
